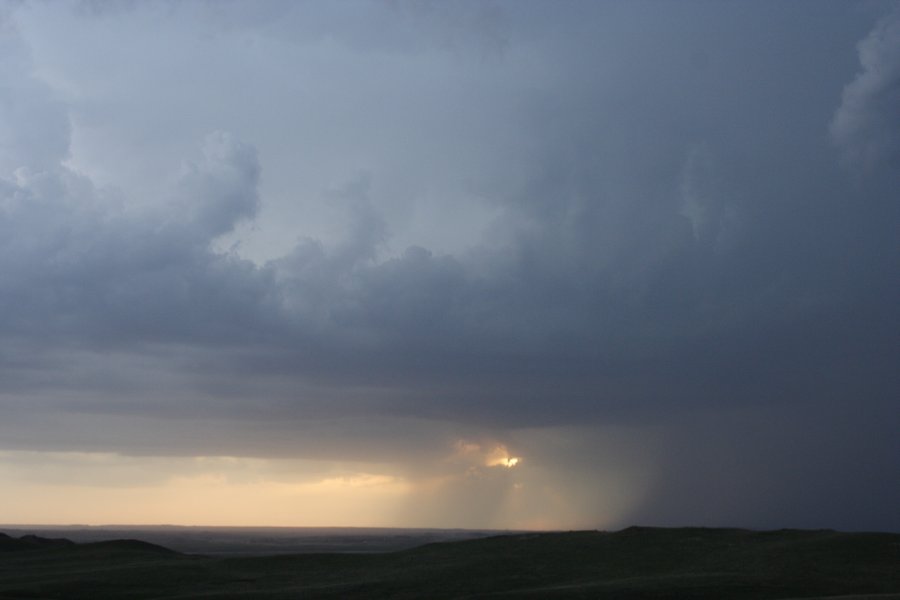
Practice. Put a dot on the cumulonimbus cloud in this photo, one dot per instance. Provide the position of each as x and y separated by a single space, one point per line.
664 236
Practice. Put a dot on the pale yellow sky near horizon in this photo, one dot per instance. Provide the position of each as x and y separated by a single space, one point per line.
476 485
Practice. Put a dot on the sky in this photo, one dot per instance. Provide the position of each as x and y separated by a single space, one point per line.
496 264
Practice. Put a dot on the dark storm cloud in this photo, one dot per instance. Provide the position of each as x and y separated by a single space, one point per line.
650 255
704 217
77 266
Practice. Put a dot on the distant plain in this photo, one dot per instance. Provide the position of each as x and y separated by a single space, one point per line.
638 562
221 541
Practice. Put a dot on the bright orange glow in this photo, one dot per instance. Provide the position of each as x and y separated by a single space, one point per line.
498 455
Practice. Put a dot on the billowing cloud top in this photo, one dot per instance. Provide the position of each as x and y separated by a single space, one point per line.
384 232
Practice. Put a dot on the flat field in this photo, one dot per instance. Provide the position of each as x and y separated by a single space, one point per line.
685 563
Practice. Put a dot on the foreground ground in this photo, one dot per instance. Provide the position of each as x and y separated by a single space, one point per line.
655 563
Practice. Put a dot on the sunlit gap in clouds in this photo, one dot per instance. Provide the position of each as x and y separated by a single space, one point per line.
493 455
547 478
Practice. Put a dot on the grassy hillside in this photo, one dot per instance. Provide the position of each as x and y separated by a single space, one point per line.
634 563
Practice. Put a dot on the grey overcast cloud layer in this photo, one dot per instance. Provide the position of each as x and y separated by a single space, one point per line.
602 233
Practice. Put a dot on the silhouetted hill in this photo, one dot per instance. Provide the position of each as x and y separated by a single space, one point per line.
31 542
258 541
113 547
110 547
638 562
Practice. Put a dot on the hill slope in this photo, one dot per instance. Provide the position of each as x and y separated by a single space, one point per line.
633 563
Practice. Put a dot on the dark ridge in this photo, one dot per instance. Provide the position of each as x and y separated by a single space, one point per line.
646 530
126 546
31 542
42 541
